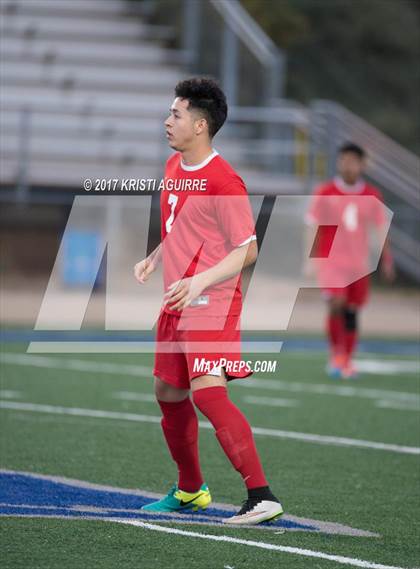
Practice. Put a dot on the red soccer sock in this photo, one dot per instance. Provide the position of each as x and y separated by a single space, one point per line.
336 333
180 427
233 433
350 344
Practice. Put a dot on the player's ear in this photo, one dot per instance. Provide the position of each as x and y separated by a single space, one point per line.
200 125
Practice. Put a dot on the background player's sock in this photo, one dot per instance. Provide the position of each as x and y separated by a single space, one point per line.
180 427
350 317
233 433
350 345
336 333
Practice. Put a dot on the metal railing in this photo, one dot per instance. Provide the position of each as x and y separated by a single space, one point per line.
239 38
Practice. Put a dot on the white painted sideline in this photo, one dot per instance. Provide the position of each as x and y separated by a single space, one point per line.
134 396
305 437
150 398
329 389
270 401
398 405
9 394
260 544
255 382
385 367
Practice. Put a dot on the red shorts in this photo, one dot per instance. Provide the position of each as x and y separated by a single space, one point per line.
182 355
356 293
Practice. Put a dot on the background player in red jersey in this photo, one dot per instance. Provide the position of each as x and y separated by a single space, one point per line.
207 238
340 196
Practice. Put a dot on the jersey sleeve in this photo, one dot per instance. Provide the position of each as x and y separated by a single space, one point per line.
234 214
314 211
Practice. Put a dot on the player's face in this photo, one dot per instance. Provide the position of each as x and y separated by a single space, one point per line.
179 126
350 167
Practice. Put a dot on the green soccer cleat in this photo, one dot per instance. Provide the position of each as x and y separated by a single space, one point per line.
177 500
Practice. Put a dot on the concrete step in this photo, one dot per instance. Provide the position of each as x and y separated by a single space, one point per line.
77 125
117 29
80 145
107 55
86 101
88 53
47 173
85 148
79 78
65 8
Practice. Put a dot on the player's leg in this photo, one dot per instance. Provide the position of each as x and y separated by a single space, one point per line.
351 337
357 295
180 429
235 436
335 327
179 422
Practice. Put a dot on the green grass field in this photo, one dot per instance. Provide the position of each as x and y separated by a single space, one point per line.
365 487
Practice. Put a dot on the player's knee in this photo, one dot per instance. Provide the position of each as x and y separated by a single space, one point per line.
336 306
168 393
350 319
207 395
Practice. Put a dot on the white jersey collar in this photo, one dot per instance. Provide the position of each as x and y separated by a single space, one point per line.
356 188
201 165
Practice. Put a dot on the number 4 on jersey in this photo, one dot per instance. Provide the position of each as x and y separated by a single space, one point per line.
350 217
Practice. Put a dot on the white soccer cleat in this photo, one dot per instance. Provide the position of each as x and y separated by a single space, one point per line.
255 512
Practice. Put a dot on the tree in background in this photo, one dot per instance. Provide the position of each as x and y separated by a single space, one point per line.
362 53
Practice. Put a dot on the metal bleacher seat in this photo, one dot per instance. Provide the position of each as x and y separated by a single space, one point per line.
94 87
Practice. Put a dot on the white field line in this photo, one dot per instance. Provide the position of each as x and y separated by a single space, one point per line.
270 401
259 544
383 367
305 437
134 396
9 394
324 389
75 365
266 401
269 384
397 405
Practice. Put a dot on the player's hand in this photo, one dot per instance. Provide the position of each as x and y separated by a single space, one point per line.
143 270
181 293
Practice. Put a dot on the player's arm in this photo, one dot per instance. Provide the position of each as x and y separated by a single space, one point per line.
386 261
387 266
232 264
184 291
143 269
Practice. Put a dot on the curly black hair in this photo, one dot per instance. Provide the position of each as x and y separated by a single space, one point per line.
205 95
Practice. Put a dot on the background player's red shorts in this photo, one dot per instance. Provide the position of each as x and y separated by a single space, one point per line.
356 293
177 354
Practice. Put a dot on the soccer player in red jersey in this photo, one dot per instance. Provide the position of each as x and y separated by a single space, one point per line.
208 237
340 198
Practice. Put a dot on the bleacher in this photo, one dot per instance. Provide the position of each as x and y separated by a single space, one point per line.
96 82
86 86
96 86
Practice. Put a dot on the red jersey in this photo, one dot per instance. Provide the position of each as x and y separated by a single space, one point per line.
205 214
346 208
